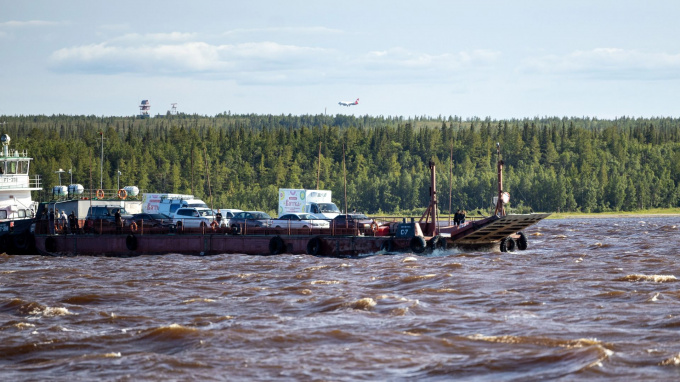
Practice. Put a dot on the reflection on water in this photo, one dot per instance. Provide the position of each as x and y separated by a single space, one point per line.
590 298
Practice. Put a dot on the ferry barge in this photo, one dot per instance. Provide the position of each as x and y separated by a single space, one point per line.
499 230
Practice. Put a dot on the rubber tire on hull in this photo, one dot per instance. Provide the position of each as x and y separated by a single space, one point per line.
314 246
508 244
442 244
522 242
418 244
51 244
235 229
276 246
131 242
387 246
21 241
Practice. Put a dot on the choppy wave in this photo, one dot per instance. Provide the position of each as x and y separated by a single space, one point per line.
556 311
654 278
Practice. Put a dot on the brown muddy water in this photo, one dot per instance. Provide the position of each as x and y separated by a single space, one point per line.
590 299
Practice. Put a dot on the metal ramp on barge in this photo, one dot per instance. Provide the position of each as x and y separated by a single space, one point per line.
492 229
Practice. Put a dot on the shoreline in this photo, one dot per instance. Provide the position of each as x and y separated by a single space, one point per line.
645 215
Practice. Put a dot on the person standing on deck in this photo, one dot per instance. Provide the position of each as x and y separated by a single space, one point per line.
50 222
73 222
119 222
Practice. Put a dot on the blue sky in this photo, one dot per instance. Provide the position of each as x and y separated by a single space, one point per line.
502 59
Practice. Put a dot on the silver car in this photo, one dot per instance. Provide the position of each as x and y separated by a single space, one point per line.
299 220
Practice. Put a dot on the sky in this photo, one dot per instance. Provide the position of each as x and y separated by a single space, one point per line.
499 59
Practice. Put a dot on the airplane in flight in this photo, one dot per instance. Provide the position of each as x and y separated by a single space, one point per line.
348 104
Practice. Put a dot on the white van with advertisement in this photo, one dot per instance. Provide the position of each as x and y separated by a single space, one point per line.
315 202
168 204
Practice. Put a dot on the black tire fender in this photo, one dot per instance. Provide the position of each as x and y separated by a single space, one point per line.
131 242
441 243
51 244
276 245
21 241
235 229
417 244
387 246
314 246
522 242
508 244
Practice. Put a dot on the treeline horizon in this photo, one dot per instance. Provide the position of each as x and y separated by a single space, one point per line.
551 164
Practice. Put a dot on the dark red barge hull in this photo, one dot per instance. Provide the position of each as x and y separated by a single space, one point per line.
213 244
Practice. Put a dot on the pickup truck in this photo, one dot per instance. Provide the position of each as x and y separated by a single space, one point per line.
193 217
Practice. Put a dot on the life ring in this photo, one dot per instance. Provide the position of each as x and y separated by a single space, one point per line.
100 194
276 245
522 242
131 242
387 246
122 194
214 225
51 244
417 244
314 246
133 227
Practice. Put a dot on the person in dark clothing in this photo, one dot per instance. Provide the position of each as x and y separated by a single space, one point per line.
462 217
456 218
119 223
73 222
50 222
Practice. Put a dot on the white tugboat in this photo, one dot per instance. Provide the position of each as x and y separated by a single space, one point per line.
17 209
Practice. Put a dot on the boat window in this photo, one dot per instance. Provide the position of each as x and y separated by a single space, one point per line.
11 168
22 213
3 214
23 167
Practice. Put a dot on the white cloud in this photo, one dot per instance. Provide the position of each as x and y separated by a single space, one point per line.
286 30
31 24
136 38
179 54
608 63
188 58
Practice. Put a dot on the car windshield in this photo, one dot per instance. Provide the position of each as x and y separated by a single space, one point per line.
260 215
158 216
206 212
306 216
328 207
359 216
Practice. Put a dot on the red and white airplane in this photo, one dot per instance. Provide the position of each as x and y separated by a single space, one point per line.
348 104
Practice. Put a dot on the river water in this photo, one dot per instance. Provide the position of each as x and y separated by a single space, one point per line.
590 299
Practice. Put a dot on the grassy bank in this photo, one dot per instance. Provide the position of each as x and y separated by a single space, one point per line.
655 212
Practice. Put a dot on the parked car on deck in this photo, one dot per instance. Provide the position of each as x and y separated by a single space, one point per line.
354 220
250 219
104 216
193 217
299 220
227 214
151 220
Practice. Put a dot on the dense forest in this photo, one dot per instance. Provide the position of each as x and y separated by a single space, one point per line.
240 161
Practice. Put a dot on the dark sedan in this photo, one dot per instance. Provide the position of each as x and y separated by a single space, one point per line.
355 220
251 219
150 220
